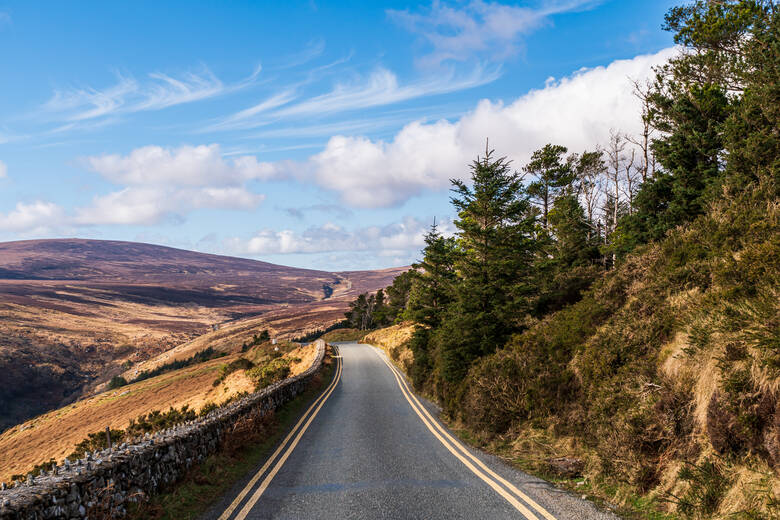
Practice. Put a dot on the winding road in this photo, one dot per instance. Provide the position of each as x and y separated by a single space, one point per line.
369 448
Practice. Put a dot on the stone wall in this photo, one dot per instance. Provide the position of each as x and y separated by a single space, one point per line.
102 484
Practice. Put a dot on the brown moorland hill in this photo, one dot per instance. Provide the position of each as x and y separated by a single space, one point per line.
74 312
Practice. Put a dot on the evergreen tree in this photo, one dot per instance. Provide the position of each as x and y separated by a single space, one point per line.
552 174
731 47
398 295
434 275
496 238
431 293
568 264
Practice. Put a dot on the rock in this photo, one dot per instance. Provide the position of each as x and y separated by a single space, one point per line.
566 467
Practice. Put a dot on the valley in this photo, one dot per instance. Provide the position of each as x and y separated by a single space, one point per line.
74 313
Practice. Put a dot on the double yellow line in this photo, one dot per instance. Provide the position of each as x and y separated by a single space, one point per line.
296 432
509 492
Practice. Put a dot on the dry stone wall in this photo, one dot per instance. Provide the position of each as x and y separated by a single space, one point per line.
103 483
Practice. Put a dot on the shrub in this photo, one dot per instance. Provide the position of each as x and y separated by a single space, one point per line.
116 382
270 373
227 369
200 357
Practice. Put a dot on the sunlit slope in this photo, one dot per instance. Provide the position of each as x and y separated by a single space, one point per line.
54 434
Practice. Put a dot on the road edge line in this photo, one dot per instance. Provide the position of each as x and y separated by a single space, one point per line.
251 484
485 478
264 485
511 487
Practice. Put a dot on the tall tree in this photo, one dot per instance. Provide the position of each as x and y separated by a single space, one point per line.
398 295
496 237
433 289
552 173
590 168
643 92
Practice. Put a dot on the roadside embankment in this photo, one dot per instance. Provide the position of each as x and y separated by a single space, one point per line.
105 482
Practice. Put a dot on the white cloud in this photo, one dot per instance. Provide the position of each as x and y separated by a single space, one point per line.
125 207
163 183
35 218
129 95
577 111
3 169
152 205
479 29
404 237
184 166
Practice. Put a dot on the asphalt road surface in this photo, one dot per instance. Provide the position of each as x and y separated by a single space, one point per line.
369 448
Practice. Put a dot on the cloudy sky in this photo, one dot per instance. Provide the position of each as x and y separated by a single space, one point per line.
315 134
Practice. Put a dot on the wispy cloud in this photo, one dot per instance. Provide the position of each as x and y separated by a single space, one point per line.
313 50
246 118
130 95
487 30
336 210
381 88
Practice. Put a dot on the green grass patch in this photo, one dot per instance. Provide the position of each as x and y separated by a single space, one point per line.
209 481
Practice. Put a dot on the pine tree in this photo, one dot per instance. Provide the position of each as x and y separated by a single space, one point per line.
496 240
432 289
552 173
431 293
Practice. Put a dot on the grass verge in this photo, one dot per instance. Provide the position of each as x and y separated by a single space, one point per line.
207 482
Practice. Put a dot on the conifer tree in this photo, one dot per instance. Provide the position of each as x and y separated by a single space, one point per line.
496 237
552 173
432 290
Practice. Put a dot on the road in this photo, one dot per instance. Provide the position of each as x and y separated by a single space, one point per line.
369 448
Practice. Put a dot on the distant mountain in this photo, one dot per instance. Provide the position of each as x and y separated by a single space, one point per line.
72 311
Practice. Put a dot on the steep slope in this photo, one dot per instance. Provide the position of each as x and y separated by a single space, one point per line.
664 378
74 312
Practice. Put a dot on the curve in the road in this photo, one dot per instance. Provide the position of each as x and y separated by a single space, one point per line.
377 452
490 477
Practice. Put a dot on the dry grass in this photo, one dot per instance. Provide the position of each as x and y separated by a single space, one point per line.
394 340
56 433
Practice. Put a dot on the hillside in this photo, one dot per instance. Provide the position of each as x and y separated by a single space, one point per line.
74 312
56 434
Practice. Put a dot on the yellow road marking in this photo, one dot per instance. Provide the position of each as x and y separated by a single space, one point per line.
498 489
264 485
229 511
460 446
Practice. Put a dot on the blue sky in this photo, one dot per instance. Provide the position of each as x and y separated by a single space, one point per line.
311 134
